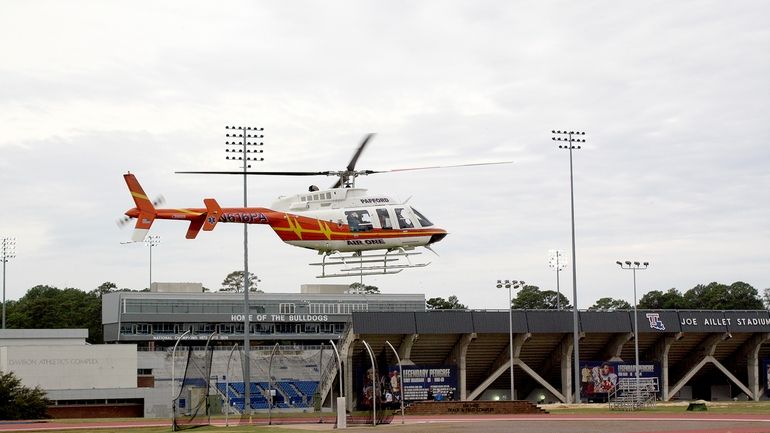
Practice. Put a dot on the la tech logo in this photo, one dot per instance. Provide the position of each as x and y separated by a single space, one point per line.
655 322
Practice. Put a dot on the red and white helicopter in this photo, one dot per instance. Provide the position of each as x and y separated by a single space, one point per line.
341 222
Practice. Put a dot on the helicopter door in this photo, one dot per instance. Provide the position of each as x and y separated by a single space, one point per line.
384 217
359 220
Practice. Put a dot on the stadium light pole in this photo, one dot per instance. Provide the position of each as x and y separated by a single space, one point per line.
633 267
567 137
151 241
510 284
557 262
7 252
244 142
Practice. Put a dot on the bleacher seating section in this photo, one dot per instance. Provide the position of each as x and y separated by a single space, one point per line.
299 392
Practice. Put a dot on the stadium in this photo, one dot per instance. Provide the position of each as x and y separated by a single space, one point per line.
451 355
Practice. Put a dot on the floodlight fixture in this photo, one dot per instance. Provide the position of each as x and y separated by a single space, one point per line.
7 252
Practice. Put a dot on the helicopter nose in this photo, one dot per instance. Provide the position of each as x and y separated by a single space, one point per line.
437 237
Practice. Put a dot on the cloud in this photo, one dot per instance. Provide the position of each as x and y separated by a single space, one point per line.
673 97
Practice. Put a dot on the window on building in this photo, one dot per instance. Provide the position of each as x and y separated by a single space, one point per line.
286 308
203 328
263 328
227 328
163 328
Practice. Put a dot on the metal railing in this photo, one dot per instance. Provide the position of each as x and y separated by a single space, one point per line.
626 395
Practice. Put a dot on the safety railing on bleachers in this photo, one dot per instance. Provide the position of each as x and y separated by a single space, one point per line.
633 394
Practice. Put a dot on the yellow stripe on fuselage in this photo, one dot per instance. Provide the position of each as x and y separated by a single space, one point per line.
189 212
395 232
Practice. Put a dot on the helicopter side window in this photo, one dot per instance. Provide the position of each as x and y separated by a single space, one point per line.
384 217
424 222
359 220
403 219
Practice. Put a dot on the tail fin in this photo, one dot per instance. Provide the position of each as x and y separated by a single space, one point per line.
207 221
146 208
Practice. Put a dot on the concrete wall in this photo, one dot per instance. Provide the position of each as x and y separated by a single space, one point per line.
43 337
72 367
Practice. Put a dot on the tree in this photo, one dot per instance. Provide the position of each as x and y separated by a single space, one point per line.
452 303
712 296
717 296
532 298
609 304
363 288
550 296
46 307
20 402
658 300
766 298
233 282
104 288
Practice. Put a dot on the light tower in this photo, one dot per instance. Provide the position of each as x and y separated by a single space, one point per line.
151 241
557 262
7 252
243 148
571 137
635 266
510 284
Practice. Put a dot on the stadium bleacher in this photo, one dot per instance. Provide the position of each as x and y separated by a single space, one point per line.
299 393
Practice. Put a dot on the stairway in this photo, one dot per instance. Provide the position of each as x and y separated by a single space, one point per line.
627 396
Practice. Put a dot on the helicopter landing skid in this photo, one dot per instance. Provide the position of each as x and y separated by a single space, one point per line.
358 264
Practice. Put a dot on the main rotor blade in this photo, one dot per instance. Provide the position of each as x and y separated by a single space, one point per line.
352 163
263 173
437 166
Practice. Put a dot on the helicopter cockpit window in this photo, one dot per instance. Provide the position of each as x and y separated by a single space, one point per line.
403 219
359 220
384 218
424 222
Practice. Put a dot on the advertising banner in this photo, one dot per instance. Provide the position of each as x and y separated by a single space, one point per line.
599 378
429 383
420 383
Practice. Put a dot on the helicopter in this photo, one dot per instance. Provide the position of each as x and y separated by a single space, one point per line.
363 234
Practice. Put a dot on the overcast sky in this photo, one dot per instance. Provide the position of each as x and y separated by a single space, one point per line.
674 98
